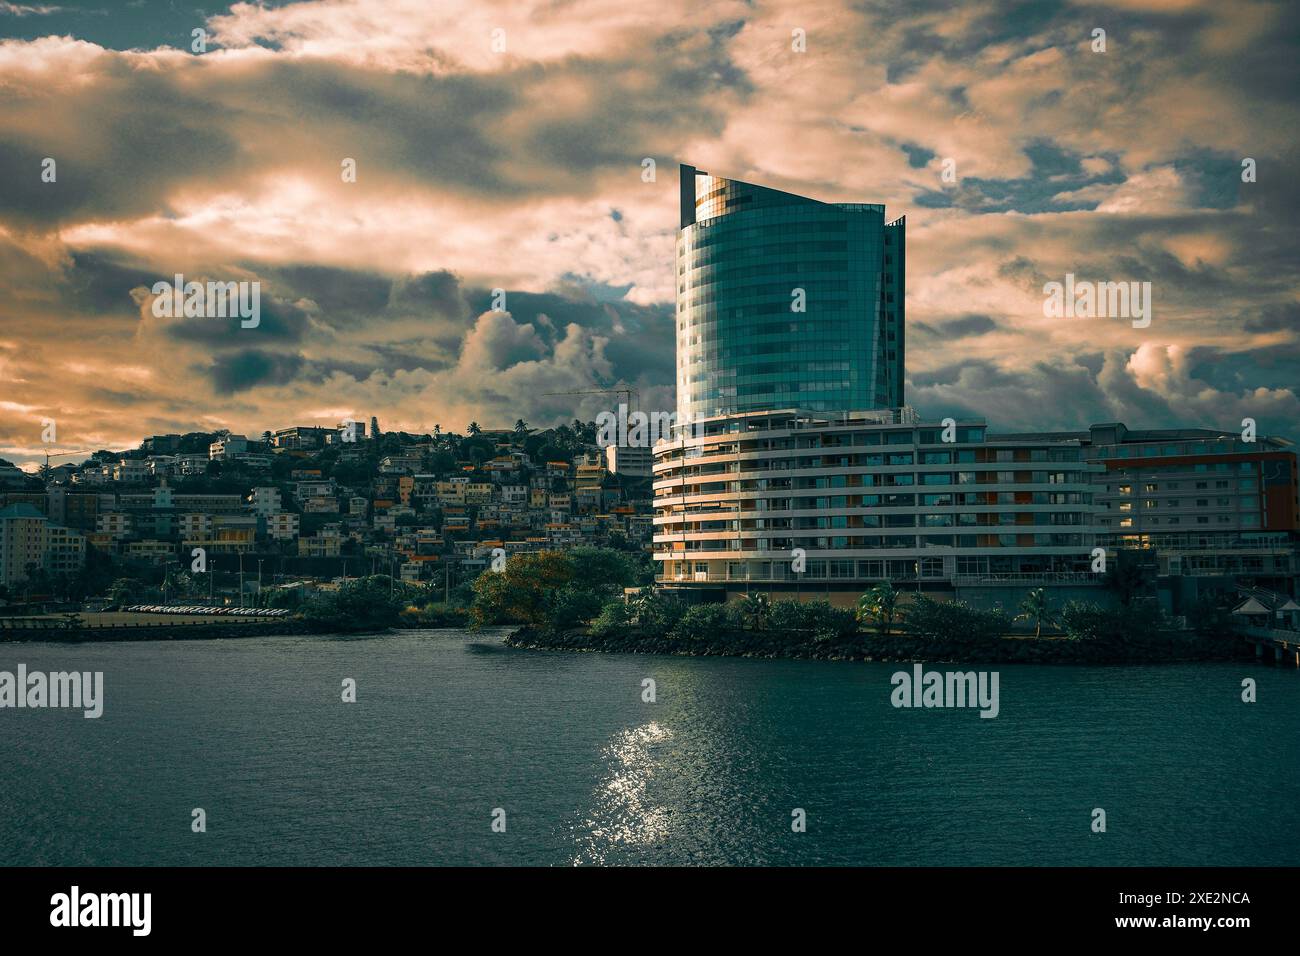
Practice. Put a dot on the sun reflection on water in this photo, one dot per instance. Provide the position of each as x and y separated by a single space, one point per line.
621 815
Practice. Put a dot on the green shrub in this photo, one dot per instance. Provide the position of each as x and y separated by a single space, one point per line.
654 613
364 604
571 606
1085 621
615 617
816 618
436 614
704 622
954 621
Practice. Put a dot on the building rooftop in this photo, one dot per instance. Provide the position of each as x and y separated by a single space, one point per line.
20 510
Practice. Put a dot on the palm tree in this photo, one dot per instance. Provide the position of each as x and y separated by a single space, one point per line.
521 429
755 608
880 605
1035 608
473 428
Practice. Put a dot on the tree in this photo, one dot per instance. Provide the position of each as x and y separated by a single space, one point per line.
521 429
1035 607
477 449
615 618
704 622
954 621
550 589
651 611
38 578
755 609
473 428
879 605
122 591
517 594
571 606
364 604
603 569
1126 580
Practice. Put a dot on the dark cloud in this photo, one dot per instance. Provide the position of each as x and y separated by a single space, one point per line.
281 322
121 145
241 371
1280 317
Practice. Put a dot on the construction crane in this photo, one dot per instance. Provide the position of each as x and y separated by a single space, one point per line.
63 454
622 388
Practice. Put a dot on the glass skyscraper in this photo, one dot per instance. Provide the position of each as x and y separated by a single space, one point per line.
785 302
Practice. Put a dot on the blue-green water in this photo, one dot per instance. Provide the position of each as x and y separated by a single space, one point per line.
449 726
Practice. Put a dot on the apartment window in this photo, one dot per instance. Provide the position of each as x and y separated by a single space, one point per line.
1126 489
1152 486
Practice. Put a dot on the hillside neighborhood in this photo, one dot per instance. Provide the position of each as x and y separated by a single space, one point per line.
303 508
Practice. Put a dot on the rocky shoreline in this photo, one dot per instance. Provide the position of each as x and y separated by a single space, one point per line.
896 648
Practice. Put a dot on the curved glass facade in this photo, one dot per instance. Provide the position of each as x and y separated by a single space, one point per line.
785 302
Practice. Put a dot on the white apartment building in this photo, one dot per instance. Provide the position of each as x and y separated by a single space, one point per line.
132 471
116 524
265 501
282 526
195 525
626 460
224 448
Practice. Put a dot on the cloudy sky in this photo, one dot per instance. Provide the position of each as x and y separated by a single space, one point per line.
521 169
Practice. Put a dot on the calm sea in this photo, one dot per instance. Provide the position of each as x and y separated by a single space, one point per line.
449 726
